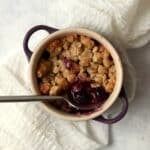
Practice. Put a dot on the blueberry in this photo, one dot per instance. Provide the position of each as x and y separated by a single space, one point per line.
79 93
77 87
101 94
46 55
68 63
39 80
82 93
80 97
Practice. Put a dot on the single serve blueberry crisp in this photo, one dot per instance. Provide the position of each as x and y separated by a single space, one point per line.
79 67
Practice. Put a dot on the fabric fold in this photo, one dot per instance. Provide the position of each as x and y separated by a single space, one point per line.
30 122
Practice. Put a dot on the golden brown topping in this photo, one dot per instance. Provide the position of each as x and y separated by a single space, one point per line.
99 79
109 86
75 50
102 70
70 76
54 45
101 48
97 57
107 62
112 71
61 81
43 68
95 49
87 42
72 58
46 79
71 37
55 90
66 45
94 85
94 67
106 53
83 76
85 58
44 88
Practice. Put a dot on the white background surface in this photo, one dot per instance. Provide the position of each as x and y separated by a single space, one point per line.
133 132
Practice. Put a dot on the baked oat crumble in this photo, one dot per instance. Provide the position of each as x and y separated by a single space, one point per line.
75 58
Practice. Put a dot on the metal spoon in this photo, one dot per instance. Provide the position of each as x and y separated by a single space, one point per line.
8 99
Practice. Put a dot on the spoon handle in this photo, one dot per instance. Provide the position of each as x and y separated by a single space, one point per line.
5 99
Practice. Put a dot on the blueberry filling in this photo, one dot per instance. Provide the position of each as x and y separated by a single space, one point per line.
46 55
98 95
79 94
68 63
76 73
83 93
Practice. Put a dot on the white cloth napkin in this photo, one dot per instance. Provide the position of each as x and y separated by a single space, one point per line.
29 126
126 21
